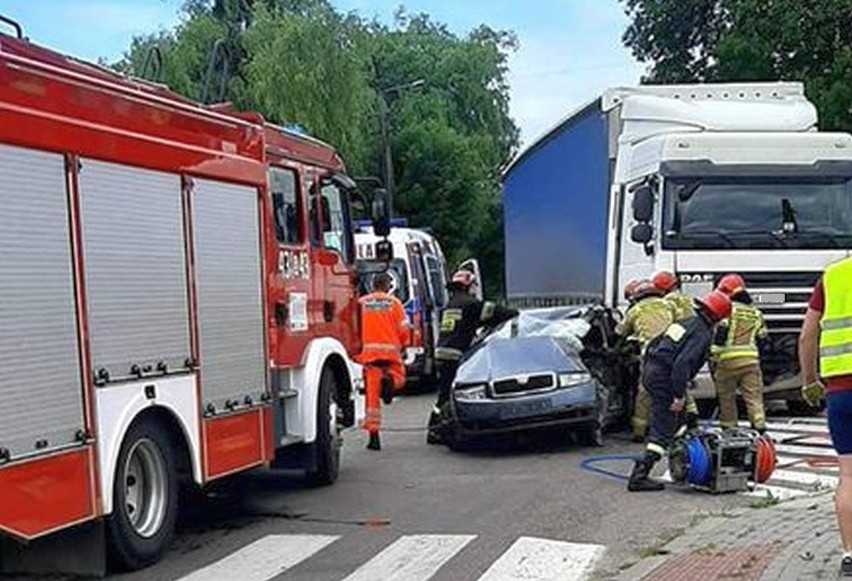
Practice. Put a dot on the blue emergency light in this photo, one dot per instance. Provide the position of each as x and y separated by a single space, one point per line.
394 223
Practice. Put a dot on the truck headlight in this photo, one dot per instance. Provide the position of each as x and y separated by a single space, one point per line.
572 379
471 393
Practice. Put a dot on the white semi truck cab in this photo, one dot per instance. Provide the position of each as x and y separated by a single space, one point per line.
730 178
701 180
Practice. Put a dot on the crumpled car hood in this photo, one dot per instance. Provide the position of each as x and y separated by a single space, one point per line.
500 358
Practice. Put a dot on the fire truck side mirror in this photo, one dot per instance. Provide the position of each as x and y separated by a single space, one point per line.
384 250
381 213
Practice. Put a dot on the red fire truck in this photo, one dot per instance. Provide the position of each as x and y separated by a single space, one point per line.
178 300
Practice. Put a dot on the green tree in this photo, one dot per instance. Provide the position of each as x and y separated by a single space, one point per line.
301 61
750 40
451 136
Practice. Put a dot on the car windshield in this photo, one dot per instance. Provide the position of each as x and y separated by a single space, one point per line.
368 269
565 323
757 213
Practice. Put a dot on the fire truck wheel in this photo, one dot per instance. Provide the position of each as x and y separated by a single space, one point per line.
145 498
329 439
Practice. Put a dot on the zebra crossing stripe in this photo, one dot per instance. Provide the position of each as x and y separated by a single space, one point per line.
531 559
805 450
812 479
411 558
263 559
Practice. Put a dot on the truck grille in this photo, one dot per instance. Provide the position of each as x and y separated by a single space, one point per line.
796 287
514 386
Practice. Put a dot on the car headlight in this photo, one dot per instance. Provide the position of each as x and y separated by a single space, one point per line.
572 379
471 393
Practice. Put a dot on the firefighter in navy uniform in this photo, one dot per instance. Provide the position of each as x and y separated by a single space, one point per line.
671 361
461 318
684 308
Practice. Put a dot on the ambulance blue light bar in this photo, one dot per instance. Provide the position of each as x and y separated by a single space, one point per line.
394 222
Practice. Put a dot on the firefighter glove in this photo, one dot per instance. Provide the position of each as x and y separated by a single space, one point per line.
813 393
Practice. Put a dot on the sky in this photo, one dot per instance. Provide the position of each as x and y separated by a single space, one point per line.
570 50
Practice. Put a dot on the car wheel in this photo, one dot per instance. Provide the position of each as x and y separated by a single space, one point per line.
329 440
591 436
145 498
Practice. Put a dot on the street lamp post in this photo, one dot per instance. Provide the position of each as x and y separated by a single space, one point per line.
385 127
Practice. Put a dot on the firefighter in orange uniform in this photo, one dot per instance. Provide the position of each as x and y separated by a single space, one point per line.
385 331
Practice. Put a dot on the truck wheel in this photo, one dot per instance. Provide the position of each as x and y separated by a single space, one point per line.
145 498
329 439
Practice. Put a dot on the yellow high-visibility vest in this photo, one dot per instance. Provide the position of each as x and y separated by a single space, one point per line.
835 341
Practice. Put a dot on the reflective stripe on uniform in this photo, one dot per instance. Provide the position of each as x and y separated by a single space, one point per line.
835 343
488 309
835 351
380 347
833 325
448 354
655 448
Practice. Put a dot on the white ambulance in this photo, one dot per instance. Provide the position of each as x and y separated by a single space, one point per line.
419 274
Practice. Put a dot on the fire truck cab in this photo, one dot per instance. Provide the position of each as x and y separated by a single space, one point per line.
178 301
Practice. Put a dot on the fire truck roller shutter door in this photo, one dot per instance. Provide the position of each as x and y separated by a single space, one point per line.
228 278
134 253
39 359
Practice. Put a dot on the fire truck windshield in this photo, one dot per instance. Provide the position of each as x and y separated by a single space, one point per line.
757 213
367 270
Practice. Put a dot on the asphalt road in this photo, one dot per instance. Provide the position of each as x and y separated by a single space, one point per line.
522 489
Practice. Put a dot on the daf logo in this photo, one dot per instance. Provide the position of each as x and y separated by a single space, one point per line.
693 278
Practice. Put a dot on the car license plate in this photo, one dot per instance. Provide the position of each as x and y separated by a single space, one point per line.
523 409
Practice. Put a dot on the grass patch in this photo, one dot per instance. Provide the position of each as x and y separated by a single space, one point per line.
765 502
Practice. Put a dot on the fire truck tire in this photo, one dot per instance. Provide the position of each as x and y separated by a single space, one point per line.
145 498
329 439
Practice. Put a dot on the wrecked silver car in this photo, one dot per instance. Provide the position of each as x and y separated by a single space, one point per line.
545 368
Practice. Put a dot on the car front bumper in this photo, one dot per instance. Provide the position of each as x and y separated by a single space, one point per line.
566 406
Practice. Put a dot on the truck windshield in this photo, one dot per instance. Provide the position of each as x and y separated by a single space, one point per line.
367 269
757 213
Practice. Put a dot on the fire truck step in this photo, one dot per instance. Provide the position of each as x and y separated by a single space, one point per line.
290 439
287 393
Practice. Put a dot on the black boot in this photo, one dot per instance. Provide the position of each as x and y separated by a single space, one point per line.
375 443
387 389
432 435
639 480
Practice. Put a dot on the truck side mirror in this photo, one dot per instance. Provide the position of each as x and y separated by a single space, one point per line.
381 213
643 203
642 233
384 251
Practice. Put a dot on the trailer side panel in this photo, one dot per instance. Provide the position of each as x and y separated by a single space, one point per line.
555 207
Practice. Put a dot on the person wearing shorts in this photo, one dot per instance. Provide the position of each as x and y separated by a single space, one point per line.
827 339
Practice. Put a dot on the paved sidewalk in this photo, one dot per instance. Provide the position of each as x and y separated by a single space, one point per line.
792 540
